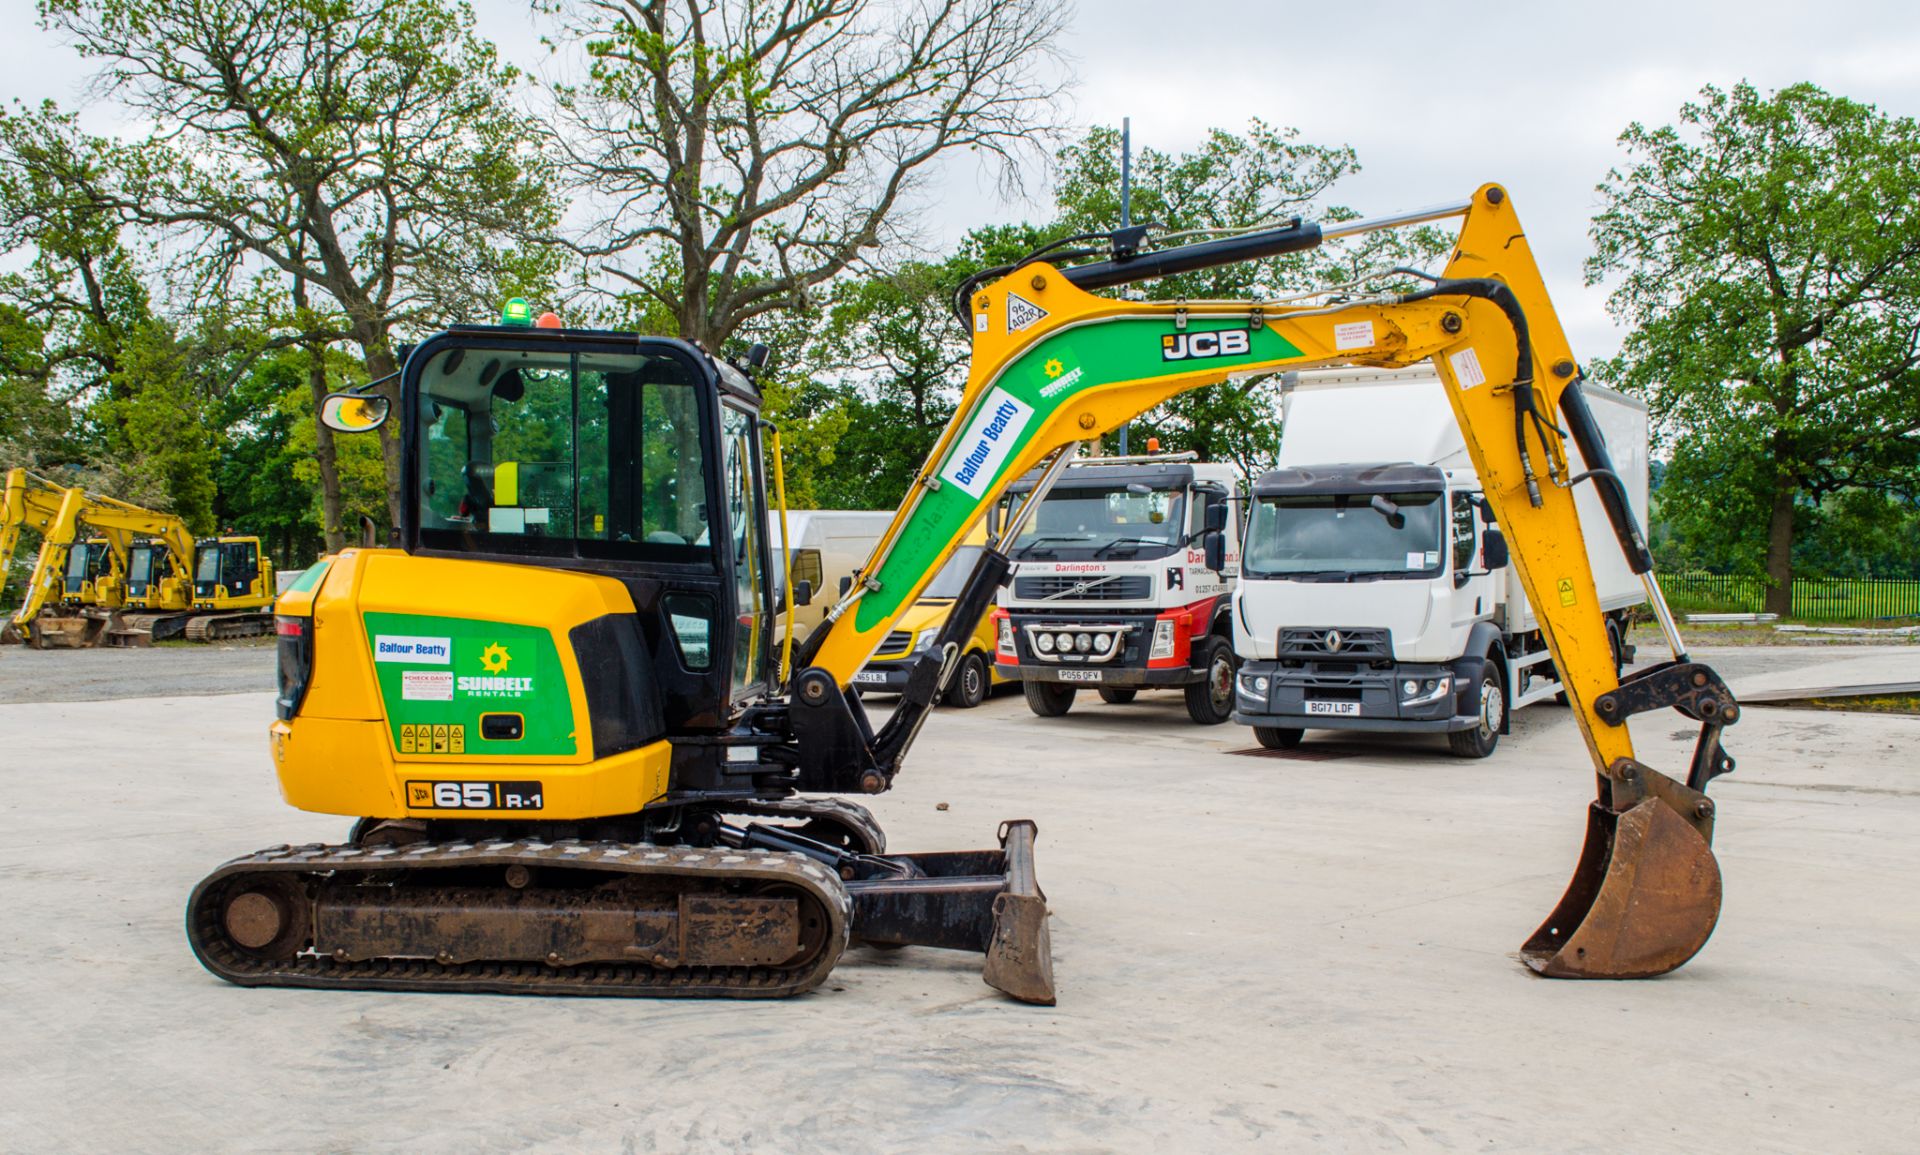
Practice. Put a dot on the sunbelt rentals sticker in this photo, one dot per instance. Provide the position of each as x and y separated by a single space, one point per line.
991 435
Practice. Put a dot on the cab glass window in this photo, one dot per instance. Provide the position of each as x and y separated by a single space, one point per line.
1462 533
588 454
746 523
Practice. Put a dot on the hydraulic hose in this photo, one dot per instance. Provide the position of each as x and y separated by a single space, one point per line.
1525 405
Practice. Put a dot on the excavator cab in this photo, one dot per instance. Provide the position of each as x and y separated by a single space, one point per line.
231 573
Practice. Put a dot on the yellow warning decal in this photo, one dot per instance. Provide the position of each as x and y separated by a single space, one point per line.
1566 592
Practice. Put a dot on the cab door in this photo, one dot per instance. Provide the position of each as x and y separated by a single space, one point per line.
743 488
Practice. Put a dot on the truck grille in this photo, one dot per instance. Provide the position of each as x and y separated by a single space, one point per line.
1353 644
896 641
1133 587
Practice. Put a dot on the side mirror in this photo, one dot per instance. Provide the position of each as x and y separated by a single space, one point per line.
1216 517
1493 549
846 583
803 592
353 412
1215 544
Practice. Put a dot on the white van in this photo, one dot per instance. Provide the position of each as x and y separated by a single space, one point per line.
827 545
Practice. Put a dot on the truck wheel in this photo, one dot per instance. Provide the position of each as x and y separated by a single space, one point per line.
1210 702
1278 737
1048 699
1117 695
969 686
1481 739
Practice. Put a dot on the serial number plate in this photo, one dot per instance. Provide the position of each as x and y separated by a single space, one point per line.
1339 708
870 678
474 795
1083 675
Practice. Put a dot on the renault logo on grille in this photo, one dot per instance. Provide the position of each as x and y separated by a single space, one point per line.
1333 641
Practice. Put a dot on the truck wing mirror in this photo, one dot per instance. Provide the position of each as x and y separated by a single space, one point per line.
1493 549
803 592
846 583
1215 544
1216 517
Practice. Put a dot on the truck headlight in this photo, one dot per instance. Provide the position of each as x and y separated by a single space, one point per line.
1102 643
1420 693
1043 643
925 639
1162 639
1004 641
1410 687
1083 642
1065 642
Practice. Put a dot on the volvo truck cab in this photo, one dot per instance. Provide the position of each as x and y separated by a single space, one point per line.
1120 584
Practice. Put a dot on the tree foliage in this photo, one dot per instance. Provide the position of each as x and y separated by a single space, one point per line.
1767 256
740 153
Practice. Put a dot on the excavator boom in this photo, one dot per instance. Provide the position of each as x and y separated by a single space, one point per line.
1055 367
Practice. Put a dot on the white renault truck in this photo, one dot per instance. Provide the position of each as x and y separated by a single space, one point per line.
1120 584
1376 594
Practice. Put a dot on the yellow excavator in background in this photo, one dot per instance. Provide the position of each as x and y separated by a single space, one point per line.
149 579
556 713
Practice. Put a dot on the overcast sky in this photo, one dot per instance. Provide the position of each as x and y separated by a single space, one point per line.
1437 98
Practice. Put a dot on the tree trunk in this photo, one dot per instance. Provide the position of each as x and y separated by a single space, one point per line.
330 512
1780 551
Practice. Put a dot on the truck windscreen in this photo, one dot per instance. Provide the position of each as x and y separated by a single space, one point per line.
1107 521
1339 536
952 577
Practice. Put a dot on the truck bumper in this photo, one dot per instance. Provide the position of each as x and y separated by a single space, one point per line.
1290 694
1100 675
883 677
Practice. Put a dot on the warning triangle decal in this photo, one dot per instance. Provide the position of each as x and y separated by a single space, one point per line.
1022 313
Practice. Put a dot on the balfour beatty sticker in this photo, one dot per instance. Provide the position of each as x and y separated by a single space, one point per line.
979 453
420 651
426 686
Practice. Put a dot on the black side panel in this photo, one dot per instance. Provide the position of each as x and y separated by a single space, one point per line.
622 707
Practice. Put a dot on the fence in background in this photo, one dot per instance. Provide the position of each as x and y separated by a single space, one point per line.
1814 599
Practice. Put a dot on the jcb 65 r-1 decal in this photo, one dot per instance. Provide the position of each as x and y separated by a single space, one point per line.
474 795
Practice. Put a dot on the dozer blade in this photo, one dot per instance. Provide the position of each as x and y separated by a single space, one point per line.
1646 894
986 901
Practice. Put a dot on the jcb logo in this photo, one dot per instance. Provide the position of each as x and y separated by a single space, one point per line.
1195 346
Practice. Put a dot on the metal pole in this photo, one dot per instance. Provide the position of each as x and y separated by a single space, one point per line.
1126 216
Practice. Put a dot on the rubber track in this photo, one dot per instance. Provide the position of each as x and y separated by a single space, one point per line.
206 932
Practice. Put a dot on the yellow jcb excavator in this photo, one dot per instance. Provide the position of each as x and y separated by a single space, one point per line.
555 711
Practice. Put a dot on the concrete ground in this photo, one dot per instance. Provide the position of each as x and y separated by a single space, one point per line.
1253 954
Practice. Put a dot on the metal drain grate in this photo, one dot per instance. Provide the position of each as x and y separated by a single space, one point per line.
1297 754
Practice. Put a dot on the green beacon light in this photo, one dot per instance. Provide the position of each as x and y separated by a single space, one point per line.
517 312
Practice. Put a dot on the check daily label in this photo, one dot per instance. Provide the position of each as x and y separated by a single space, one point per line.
419 651
991 435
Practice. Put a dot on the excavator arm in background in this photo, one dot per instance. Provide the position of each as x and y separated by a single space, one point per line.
1055 367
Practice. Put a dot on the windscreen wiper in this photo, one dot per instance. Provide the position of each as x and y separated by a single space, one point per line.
1135 541
1028 548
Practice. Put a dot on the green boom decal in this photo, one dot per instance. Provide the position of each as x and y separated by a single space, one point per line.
439 675
1034 387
